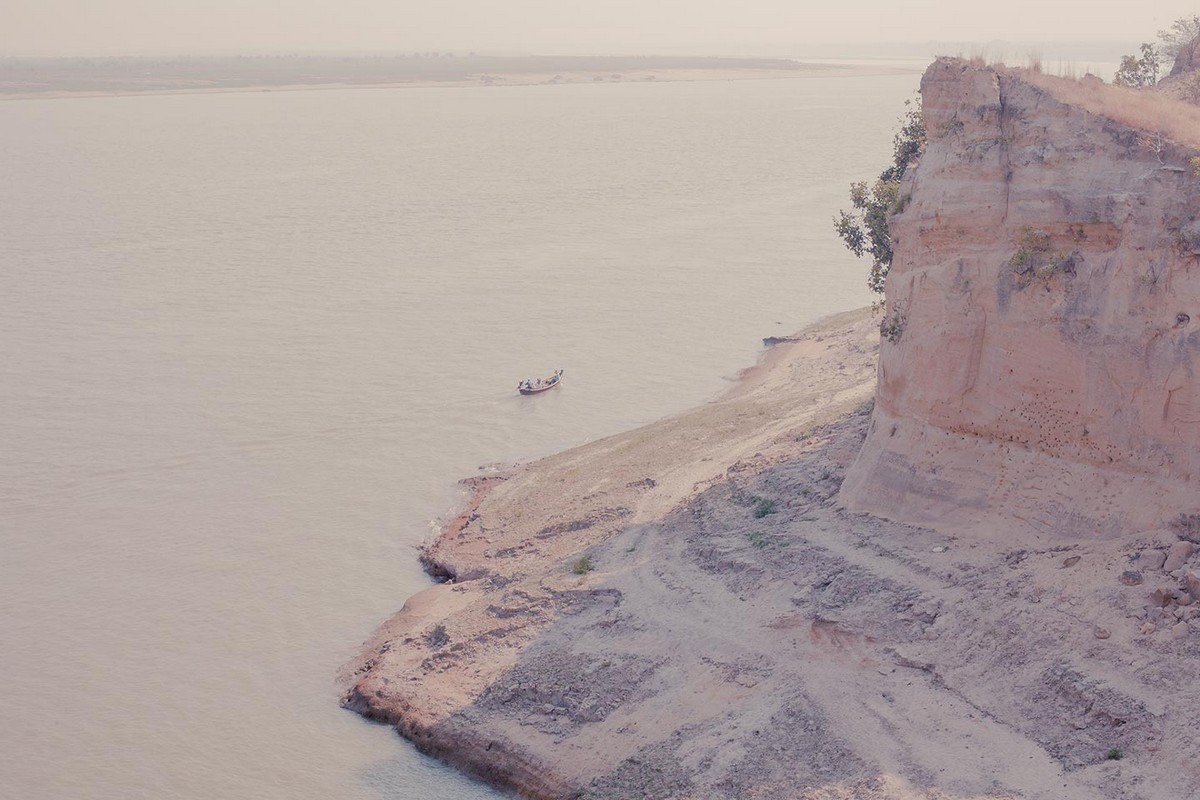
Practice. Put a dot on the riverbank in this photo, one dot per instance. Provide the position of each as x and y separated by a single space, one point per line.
66 78
686 611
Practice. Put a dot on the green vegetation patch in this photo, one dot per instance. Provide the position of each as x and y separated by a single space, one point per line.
865 229
1142 72
891 328
763 506
1037 260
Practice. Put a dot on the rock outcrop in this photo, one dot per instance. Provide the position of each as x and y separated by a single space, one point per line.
1187 59
1044 303
1183 81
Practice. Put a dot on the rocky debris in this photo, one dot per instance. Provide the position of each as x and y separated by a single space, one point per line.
1130 578
1187 527
1151 560
603 515
553 688
1162 597
1191 582
1189 240
811 653
1178 555
1172 605
1093 717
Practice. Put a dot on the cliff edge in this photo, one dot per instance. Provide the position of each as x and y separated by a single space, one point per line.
701 609
1046 290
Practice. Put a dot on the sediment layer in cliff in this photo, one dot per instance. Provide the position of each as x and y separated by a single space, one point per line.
1046 285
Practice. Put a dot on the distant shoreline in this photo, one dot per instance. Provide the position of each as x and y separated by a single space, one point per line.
61 79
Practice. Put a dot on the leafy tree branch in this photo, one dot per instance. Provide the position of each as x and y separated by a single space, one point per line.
865 228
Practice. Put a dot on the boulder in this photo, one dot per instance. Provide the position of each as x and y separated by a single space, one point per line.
1178 555
1149 560
1191 582
1130 578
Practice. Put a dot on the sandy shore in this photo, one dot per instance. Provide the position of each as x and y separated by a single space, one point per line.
495 80
686 611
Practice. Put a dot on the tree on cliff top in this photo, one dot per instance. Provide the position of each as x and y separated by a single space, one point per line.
1182 32
1142 73
864 229
1139 73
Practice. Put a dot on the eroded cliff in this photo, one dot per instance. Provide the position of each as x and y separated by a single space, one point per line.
1046 295
694 610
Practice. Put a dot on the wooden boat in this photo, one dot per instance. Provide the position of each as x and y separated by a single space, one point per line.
528 387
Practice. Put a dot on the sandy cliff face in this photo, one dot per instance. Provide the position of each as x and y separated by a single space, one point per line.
1046 283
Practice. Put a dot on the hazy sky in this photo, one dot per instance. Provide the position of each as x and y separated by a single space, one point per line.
105 27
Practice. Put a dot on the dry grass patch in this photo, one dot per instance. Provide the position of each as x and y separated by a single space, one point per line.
1149 111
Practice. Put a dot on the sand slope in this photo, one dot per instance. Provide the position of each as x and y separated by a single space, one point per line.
804 653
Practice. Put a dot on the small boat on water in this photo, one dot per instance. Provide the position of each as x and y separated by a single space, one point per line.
531 386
